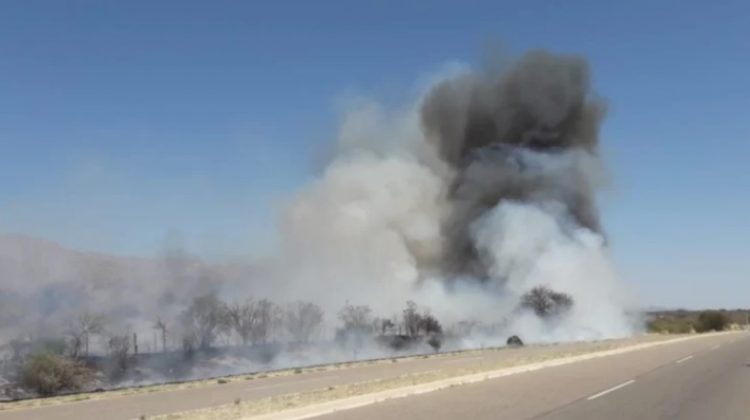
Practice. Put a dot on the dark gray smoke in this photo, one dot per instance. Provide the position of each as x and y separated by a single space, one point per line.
485 125
482 190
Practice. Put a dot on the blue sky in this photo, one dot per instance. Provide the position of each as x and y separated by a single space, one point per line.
125 123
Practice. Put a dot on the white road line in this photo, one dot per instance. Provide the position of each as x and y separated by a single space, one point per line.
607 391
684 359
716 347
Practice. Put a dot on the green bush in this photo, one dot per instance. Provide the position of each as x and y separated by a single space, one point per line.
48 374
712 321
670 326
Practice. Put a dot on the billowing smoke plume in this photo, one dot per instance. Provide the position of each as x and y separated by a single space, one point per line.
523 134
482 191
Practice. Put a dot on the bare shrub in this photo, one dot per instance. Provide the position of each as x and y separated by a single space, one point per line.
356 318
385 326
242 317
412 319
545 302
418 323
49 374
302 320
80 331
435 342
429 325
203 321
266 319
357 325
118 350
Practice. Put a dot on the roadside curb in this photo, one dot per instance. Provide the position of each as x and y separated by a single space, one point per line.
330 407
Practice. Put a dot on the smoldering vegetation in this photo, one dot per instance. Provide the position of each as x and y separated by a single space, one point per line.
89 347
456 221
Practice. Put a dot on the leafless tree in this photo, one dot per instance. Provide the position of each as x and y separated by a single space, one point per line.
267 318
302 320
80 331
418 323
243 317
118 349
162 327
203 321
356 318
412 319
546 302
385 325
357 326
429 325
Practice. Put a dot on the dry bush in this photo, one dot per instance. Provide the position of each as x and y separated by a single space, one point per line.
435 342
49 374
712 321
303 320
670 325
203 321
545 302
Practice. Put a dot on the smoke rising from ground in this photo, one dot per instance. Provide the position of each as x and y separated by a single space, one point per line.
480 191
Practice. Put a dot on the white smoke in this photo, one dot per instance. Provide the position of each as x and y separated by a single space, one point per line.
479 190
372 230
537 244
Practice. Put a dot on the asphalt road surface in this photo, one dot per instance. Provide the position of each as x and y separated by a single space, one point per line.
702 379
133 406
520 396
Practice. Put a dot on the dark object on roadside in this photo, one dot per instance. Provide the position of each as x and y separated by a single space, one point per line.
514 341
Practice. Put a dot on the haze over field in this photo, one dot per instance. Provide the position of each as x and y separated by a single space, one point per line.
481 190
196 190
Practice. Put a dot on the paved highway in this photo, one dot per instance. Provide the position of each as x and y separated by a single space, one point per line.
133 406
701 379
709 370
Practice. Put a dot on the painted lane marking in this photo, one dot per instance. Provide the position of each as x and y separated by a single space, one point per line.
684 359
716 347
607 391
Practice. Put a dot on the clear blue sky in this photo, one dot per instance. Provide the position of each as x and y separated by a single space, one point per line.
123 121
